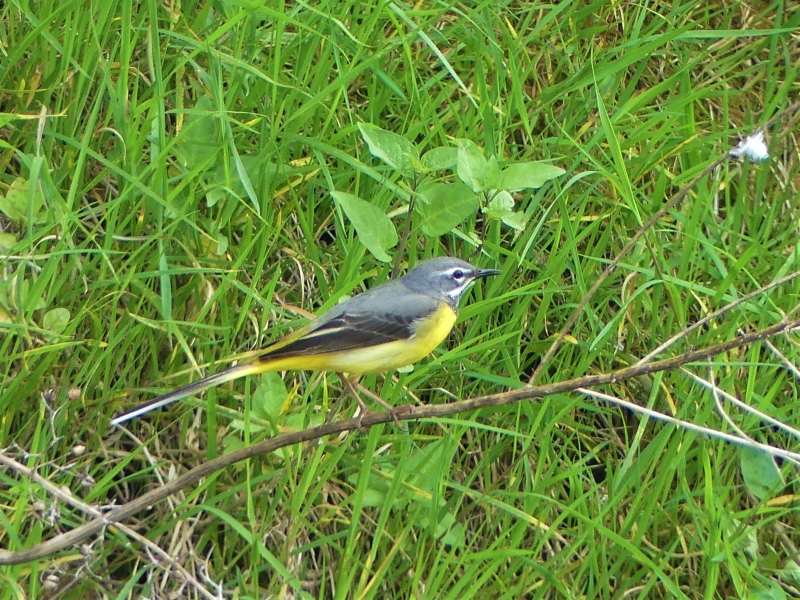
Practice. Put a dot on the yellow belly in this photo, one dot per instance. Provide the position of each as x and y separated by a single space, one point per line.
375 359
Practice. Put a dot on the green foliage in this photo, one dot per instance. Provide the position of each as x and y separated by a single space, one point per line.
443 205
415 486
761 475
395 150
200 138
374 228
270 397
23 203
56 320
184 182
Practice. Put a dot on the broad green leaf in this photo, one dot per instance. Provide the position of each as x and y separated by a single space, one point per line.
768 558
377 487
200 137
233 441
491 177
29 302
450 532
270 397
775 592
441 158
741 539
215 195
448 205
222 245
426 465
501 202
471 165
261 172
375 230
298 420
15 203
502 207
7 240
528 175
373 498
56 320
790 572
760 473
395 150
514 219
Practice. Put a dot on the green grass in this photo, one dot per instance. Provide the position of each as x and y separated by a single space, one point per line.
184 173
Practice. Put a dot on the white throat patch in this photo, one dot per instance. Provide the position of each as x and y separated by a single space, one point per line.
455 294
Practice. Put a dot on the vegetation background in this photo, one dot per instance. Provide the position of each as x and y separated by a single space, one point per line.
166 171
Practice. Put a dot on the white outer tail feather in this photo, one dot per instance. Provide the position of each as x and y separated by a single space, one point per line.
188 390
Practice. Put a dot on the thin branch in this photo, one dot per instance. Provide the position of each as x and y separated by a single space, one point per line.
403 413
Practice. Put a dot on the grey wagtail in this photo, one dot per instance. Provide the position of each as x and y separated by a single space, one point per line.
385 328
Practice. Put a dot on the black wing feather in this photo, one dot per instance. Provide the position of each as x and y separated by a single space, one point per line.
348 332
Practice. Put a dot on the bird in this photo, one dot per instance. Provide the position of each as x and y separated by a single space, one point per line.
384 328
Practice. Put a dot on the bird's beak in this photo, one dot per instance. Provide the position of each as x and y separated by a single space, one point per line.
486 273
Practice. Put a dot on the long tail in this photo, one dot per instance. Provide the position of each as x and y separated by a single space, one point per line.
192 388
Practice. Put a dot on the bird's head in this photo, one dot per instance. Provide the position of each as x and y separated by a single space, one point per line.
446 278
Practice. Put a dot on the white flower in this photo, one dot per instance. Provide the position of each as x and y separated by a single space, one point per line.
753 147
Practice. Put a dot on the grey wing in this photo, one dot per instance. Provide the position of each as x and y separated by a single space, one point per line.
370 319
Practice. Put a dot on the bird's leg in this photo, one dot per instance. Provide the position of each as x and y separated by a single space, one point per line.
349 385
364 410
374 396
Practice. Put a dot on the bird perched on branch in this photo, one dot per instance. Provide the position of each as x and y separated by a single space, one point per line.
385 328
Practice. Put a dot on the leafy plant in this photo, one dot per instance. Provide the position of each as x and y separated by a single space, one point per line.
23 203
448 185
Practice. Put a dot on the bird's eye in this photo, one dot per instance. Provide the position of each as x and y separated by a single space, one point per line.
458 274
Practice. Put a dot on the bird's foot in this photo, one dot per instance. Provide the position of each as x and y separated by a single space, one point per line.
363 410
